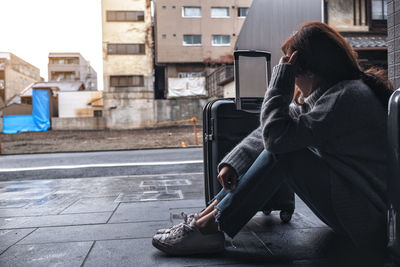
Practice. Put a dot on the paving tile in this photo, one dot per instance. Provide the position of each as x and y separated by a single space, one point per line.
59 254
51 204
94 232
272 222
150 211
29 211
186 203
10 203
54 220
246 251
301 263
30 195
139 212
298 243
140 252
10 237
92 204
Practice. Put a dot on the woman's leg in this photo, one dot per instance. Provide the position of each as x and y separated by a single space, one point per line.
254 189
214 202
310 178
337 202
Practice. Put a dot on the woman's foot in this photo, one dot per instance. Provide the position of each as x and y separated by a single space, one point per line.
186 219
187 239
189 218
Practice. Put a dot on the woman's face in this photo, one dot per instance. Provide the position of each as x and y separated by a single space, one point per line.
305 83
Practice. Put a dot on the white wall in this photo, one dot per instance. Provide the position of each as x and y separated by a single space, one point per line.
69 103
229 90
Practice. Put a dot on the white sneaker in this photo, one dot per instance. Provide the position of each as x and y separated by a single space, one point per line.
186 219
186 239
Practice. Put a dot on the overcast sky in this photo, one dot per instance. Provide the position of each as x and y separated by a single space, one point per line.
32 28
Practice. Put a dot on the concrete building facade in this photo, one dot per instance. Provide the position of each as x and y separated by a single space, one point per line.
192 38
15 75
127 63
364 24
68 67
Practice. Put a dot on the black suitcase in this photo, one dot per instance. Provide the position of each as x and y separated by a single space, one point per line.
394 177
221 134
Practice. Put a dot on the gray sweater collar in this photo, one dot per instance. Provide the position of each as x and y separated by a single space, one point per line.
315 95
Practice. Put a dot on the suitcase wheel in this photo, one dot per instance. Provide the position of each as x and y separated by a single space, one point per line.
267 211
285 216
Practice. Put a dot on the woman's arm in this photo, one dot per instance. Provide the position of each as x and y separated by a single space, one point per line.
244 154
282 132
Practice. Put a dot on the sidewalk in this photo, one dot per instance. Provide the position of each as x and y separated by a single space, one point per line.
110 221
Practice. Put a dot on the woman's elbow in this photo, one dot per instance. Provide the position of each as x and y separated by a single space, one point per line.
273 147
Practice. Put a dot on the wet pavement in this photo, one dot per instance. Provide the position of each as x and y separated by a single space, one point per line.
109 221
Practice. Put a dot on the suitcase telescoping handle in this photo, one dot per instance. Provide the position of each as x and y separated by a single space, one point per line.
248 53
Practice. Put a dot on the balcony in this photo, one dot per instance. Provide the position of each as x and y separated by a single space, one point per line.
216 80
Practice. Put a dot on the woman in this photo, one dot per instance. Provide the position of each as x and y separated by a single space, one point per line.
330 148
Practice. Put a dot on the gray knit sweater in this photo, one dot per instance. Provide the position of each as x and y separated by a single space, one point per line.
345 123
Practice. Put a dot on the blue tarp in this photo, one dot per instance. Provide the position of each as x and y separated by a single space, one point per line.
39 121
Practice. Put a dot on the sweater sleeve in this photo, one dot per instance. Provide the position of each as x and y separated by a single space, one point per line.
281 131
244 154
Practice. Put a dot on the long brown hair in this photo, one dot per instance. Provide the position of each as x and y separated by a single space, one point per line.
324 52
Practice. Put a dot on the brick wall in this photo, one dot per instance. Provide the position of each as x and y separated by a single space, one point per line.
393 7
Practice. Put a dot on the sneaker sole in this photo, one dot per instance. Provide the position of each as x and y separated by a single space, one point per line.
176 252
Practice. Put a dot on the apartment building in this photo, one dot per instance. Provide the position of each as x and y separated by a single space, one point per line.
69 67
192 38
15 75
127 62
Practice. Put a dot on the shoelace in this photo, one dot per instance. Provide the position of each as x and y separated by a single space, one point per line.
182 228
183 225
186 219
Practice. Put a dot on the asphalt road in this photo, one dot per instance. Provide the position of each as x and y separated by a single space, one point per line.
101 164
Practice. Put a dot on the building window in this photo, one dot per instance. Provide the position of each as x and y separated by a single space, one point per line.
125 15
125 49
191 39
221 40
220 12
379 9
64 60
97 113
191 12
242 11
127 81
63 76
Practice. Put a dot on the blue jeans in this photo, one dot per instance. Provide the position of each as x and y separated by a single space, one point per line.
304 170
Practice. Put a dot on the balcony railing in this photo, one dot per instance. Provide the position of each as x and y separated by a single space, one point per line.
215 80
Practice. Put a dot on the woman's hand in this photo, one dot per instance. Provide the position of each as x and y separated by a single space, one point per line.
291 59
228 178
